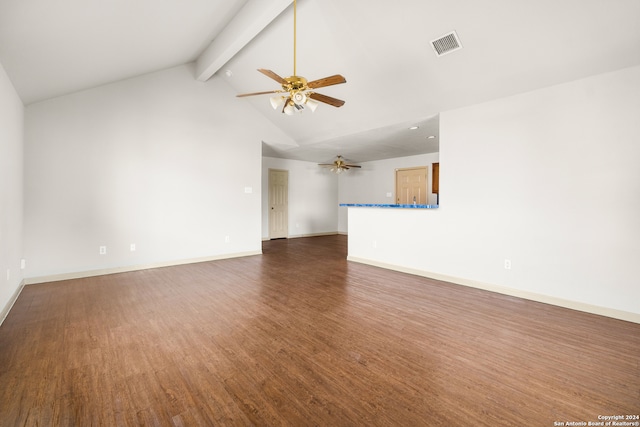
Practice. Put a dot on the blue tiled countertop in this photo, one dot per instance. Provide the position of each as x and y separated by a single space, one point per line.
379 205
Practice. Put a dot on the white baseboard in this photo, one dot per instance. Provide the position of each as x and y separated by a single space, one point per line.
560 302
5 311
102 272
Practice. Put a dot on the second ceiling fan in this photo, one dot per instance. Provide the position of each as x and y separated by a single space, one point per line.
339 165
299 93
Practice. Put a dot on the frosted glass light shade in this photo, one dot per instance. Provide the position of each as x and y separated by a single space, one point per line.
299 98
276 101
312 104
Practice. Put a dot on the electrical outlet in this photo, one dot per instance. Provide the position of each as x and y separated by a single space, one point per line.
132 247
23 264
507 264
8 274
227 239
103 250
375 244
389 195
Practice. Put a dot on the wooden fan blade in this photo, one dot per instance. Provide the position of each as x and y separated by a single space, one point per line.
258 93
354 166
272 75
327 81
326 164
326 99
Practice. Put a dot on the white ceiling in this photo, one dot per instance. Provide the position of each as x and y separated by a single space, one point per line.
394 79
54 47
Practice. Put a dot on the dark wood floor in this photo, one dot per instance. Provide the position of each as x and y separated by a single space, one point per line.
301 337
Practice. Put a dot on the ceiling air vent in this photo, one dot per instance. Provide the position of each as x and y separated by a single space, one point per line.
446 44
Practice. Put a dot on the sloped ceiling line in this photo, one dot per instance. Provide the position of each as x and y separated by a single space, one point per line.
248 23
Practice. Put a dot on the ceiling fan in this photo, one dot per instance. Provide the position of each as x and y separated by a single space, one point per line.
298 92
339 165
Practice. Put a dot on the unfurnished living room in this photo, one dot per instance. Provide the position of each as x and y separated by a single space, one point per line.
233 213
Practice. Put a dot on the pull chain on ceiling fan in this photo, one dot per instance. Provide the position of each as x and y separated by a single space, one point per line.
298 91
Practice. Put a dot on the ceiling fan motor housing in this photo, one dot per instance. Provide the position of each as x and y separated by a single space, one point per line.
295 83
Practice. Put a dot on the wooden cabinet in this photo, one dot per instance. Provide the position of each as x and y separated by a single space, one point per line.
435 178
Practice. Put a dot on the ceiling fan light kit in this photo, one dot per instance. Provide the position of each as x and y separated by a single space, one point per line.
298 92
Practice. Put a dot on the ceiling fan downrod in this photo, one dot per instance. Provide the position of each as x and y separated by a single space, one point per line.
294 36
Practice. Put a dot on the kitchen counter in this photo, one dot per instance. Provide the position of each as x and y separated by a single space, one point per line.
381 205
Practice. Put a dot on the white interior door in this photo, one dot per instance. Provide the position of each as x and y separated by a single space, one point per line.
278 203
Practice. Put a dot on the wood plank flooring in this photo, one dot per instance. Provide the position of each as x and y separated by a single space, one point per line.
300 337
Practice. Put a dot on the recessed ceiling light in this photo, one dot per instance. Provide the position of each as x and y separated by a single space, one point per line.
430 137
413 128
229 73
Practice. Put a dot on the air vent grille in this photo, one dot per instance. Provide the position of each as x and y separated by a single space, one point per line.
446 44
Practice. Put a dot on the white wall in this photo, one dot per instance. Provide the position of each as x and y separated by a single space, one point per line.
313 197
11 191
375 179
160 161
548 179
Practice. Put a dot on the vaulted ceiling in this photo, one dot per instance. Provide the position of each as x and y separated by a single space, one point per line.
394 78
